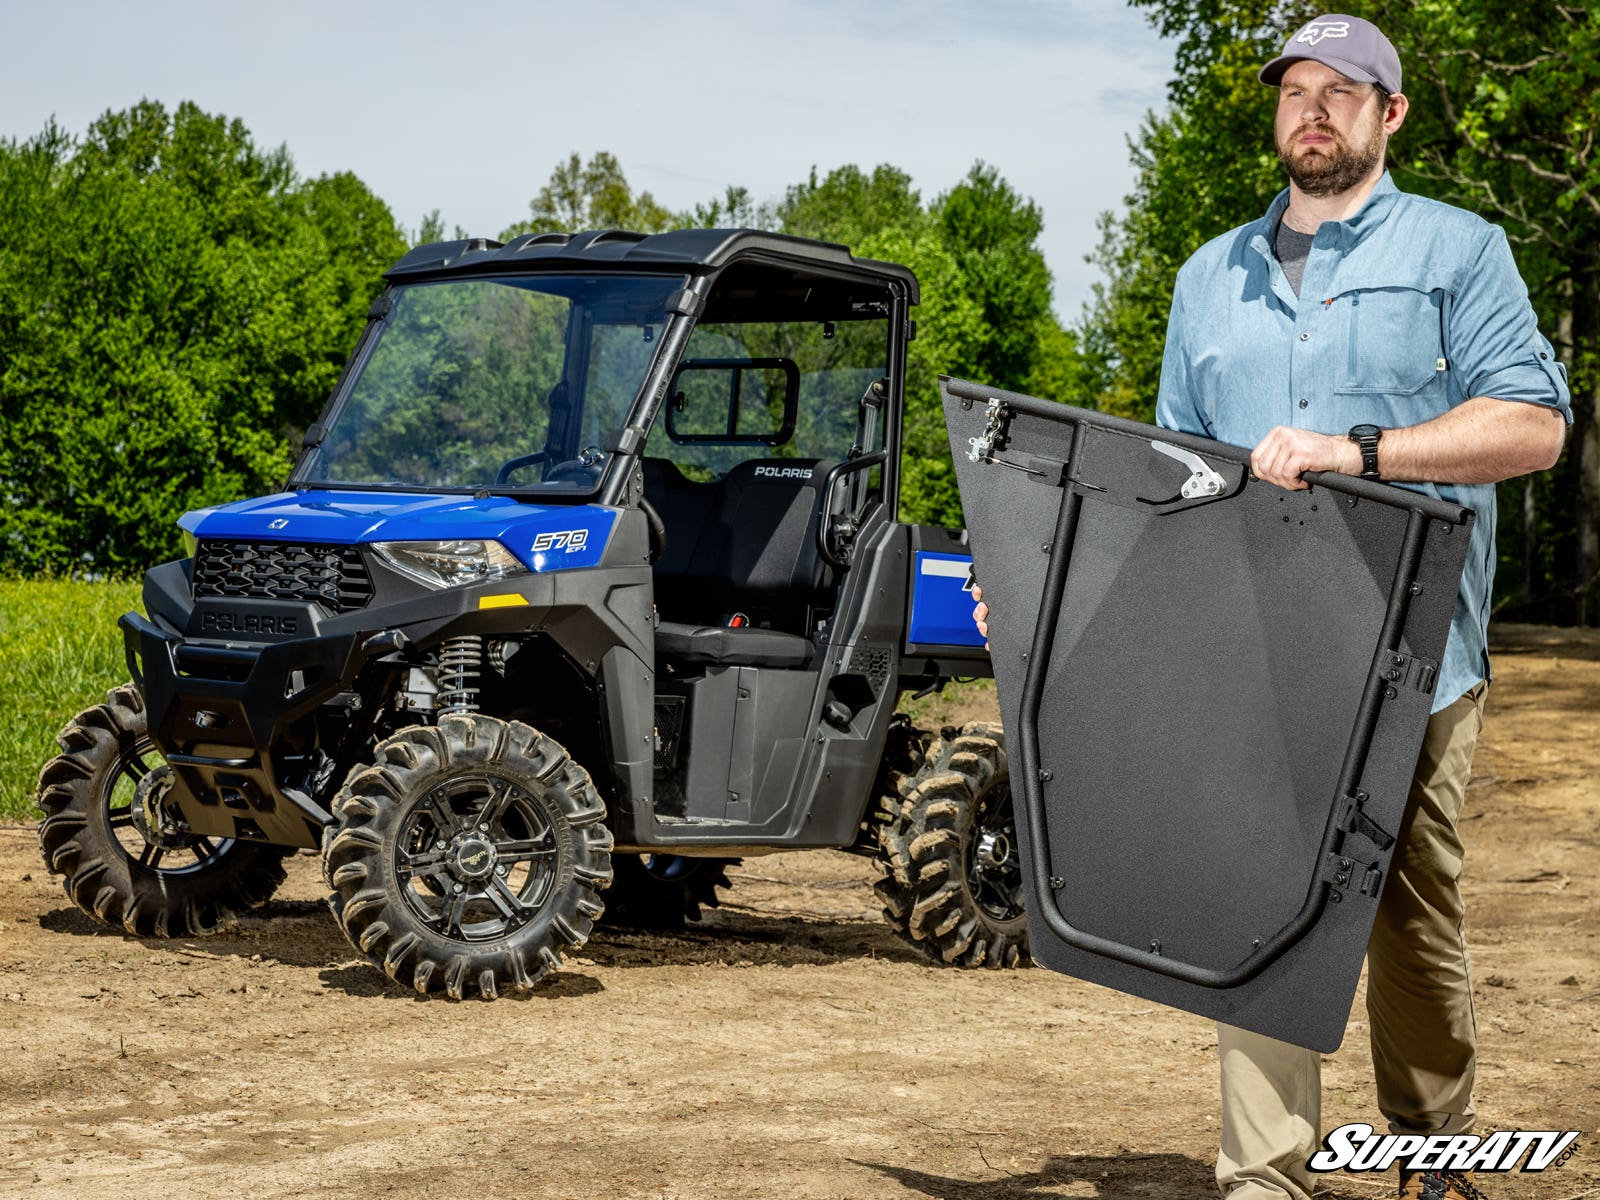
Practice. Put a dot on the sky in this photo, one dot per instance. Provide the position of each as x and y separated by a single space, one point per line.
466 106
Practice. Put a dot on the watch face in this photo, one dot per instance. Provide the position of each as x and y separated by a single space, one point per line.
1365 431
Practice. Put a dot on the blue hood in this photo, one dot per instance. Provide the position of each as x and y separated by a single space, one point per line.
545 537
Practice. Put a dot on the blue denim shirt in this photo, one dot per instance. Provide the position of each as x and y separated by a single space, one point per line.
1408 308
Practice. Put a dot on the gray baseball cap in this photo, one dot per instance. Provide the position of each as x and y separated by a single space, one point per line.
1355 48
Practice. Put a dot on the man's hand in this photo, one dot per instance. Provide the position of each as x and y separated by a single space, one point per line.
980 614
1286 454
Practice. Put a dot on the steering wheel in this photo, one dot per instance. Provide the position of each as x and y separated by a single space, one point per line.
516 464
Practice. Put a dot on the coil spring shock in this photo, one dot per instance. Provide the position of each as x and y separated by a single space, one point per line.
459 662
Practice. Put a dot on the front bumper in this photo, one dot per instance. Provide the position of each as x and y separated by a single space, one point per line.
233 687
221 716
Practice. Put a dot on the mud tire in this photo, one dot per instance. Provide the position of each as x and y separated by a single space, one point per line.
934 895
395 893
662 891
111 870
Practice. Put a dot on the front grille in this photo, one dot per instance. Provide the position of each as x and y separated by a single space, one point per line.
333 576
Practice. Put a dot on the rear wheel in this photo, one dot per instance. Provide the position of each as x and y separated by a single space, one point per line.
468 857
125 857
948 846
662 891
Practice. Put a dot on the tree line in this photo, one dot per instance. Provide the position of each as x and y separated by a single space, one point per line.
176 302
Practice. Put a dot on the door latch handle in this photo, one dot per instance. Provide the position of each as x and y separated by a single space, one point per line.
1202 481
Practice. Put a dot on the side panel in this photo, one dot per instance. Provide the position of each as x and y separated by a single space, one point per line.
769 729
941 600
1216 691
940 637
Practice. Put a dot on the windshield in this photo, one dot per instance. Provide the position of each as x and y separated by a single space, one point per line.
502 383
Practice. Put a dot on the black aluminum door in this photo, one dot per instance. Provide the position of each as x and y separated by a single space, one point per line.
1214 692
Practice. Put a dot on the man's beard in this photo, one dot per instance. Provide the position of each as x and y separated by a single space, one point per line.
1328 171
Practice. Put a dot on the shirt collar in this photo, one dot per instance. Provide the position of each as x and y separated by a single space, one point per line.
1367 218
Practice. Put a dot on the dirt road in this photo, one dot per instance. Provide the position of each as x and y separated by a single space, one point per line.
786 1047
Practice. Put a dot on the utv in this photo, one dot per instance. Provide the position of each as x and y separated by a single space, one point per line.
589 575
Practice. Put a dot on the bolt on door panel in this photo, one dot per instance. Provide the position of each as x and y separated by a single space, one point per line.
1215 691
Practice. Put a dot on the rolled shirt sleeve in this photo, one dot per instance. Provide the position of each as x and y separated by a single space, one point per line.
1495 346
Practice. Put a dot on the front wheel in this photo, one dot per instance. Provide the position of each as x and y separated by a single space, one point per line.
948 846
124 855
468 856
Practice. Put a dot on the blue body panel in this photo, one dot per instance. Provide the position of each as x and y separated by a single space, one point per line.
941 601
545 537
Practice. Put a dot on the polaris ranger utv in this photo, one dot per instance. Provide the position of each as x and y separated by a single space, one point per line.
588 575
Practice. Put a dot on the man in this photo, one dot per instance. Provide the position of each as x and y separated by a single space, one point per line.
1358 329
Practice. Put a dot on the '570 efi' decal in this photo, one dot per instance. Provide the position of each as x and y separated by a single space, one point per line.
566 539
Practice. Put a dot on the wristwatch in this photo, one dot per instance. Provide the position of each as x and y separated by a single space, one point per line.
1367 436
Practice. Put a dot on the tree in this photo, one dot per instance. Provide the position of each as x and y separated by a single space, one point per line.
985 309
592 195
736 208
431 229
849 205
992 233
174 305
1506 111
1202 167
1503 121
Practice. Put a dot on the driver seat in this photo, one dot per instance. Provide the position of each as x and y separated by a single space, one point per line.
755 552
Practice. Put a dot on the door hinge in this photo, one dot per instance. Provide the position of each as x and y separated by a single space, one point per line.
1399 670
381 304
1344 873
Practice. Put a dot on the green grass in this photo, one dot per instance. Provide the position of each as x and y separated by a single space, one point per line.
60 651
959 702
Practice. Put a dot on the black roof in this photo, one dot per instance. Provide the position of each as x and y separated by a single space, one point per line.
691 250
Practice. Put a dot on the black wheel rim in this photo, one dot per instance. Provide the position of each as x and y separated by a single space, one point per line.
994 867
165 852
478 857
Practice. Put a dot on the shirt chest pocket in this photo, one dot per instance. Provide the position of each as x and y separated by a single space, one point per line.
1396 340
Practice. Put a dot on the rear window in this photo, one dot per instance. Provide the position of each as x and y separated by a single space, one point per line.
829 365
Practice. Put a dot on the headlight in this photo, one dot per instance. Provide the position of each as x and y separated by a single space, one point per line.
447 564
191 544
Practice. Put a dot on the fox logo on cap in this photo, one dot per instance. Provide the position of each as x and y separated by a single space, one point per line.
1315 31
1353 47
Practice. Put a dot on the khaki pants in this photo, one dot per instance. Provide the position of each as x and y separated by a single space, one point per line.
1419 998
